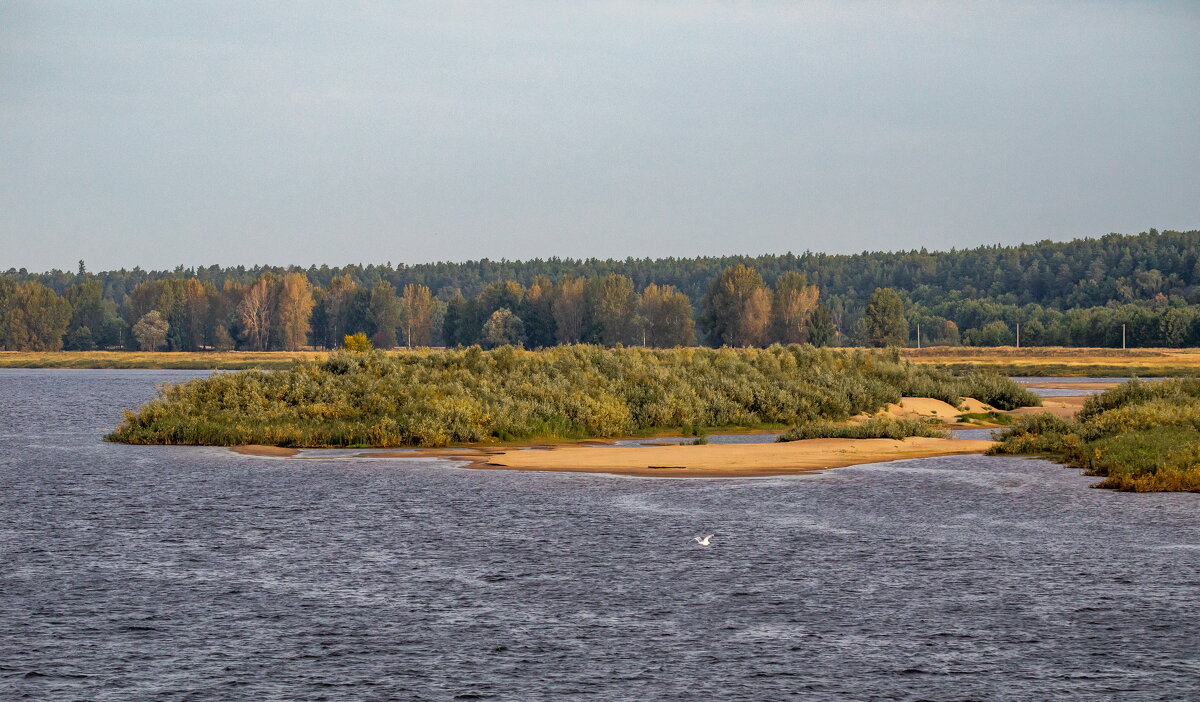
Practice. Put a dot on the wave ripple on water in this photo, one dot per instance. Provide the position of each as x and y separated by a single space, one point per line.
174 573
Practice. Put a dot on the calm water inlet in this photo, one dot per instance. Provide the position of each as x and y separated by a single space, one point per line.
181 573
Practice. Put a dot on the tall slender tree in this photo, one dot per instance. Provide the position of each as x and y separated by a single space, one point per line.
255 314
567 309
417 310
385 314
295 308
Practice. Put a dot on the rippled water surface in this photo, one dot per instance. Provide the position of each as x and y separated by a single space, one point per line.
151 573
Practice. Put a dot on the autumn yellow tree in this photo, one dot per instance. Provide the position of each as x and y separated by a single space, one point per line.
667 315
416 312
295 306
254 313
737 308
791 308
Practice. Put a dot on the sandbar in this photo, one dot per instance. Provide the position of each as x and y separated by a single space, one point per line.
728 460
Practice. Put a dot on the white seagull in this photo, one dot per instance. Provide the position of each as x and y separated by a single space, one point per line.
705 541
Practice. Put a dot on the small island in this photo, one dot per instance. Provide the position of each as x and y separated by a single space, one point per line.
863 406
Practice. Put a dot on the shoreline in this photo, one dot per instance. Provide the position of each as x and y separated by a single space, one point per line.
602 456
678 460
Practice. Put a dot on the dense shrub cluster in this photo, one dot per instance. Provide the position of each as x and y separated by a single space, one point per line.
437 398
878 427
1140 436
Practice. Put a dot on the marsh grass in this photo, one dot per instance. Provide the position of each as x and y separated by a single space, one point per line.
878 427
1142 437
439 398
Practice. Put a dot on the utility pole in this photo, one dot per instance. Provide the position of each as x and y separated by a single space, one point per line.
918 335
1018 335
1122 337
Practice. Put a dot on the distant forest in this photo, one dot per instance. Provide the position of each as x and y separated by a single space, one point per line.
1076 293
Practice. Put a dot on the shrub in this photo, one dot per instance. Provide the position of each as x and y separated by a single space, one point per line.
879 427
357 343
1138 436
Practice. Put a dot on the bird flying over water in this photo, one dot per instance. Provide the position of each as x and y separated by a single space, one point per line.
705 541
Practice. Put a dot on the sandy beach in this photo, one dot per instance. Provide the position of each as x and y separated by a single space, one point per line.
682 461
729 460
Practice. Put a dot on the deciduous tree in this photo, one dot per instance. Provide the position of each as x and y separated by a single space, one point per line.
151 331
737 308
503 328
792 307
668 317
255 314
884 323
417 309
295 310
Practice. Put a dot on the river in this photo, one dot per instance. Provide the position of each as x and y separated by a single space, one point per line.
179 573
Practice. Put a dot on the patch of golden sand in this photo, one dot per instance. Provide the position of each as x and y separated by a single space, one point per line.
972 405
925 407
1065 407
728 460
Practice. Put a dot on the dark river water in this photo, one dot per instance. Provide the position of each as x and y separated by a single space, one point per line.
152 573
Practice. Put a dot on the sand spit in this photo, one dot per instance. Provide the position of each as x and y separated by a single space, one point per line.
729 460
679 461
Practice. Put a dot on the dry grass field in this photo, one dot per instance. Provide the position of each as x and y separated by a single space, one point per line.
1037 361
1061 361
223 360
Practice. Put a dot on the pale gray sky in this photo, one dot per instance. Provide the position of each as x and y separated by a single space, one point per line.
165 133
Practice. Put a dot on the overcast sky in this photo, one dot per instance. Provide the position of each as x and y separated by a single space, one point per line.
163 133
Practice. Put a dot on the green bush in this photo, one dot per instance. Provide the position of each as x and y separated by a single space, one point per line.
1138 436
879 427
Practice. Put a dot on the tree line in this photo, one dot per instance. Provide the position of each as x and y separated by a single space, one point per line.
1076 293
288 313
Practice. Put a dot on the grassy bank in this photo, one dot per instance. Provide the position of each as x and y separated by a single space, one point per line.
1143 437
440 398
1056 361
175 360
